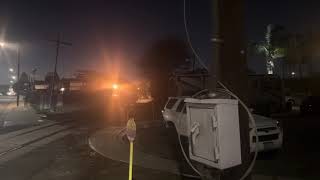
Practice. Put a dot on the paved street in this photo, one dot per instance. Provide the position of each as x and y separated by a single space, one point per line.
56 147
86 145
11 115
22 133
156 148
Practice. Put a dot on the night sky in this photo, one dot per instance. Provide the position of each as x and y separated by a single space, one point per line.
113 33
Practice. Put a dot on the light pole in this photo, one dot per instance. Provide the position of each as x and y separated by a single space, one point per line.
18 74
2 45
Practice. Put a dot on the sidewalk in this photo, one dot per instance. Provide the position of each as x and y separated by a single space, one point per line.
112 144
150 150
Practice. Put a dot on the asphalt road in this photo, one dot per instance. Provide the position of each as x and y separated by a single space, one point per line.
57 148
7 103
13 118
69 156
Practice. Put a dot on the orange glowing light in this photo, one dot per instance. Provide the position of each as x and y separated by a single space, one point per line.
115 86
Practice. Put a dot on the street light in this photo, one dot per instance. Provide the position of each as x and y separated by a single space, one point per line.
10 69
115 86
2 44
293 73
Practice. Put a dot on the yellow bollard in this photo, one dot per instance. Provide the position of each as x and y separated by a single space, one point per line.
131 160
131 134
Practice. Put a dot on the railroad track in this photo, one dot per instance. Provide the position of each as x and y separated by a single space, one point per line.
17 143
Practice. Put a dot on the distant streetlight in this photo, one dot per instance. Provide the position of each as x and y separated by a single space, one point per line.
293 73
2 44
11 70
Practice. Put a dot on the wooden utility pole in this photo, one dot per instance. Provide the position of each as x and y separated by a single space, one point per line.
230 68
58 44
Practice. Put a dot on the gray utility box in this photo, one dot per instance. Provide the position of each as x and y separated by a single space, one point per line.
213 129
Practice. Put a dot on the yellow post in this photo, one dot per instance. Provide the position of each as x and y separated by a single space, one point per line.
131 160
131 134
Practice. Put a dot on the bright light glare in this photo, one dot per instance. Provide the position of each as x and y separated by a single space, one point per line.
11 82
62 89
1 44
11 70
13 77
293 73
115 86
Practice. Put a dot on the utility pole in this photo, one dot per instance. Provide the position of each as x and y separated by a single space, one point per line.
32 79
18 77
58 44
229 67
217 42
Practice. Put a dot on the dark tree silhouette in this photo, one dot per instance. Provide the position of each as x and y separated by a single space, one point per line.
24 78
159 62
23 84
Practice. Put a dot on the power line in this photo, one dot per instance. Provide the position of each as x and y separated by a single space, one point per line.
189 39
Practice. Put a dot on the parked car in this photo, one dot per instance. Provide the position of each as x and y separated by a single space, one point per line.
310 105
269 132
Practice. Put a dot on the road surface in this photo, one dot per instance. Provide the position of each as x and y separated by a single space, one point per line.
23 131
56 147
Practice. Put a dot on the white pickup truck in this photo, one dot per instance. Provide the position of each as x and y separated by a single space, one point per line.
269 132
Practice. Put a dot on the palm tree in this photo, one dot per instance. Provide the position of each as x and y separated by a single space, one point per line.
271 47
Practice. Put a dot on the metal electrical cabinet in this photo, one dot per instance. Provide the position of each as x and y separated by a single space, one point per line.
213 129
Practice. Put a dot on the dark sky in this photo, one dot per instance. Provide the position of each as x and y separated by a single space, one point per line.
104 33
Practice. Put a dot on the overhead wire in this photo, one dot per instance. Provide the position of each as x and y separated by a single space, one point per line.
201 62
189 38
